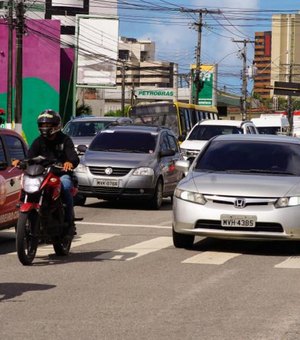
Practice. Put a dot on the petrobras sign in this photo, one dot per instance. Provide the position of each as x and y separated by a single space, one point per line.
208 84
155 93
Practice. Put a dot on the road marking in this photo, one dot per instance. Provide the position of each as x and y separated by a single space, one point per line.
126 225
77 241
137 250
292 262
211 257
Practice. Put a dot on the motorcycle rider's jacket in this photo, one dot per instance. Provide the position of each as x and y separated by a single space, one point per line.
60 149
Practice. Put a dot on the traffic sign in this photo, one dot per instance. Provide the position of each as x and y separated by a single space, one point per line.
286 88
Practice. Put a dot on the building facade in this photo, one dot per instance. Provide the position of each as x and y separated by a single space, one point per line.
140 69
285 53
262 62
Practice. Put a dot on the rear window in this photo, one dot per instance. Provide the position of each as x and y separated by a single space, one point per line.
85 129
246 156
124 141
15 147
206 132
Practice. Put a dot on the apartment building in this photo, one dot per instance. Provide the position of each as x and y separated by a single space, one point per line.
285 52
140 69
262 61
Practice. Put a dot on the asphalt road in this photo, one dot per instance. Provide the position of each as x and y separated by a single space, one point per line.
125 280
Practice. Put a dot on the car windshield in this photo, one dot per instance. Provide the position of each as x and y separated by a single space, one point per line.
85 129
206 132
268 130
250 157
124 141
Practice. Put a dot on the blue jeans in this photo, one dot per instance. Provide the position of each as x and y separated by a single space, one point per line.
66 186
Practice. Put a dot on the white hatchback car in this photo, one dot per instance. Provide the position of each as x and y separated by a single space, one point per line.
206 129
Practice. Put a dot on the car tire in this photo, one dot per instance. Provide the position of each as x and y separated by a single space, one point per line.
156 201
182 240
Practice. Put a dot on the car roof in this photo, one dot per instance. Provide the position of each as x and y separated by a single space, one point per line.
94 118
224 122
138 127
4 131
259 137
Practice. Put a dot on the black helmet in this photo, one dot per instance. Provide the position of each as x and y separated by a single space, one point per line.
53 121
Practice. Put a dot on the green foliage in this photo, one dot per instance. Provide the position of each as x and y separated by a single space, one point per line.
83 109
117 113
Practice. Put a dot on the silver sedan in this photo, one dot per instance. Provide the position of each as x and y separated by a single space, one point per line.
242 187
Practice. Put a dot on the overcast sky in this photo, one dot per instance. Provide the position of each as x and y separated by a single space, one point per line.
176 37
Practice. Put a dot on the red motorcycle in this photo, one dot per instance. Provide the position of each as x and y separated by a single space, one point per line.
42 211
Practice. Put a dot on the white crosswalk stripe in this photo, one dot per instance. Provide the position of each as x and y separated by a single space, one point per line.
78 241
137 250
291 262
150 246
211 257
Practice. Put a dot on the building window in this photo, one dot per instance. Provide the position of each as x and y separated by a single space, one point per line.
124 54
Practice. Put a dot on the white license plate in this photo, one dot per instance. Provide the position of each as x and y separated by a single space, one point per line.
238 221
107 183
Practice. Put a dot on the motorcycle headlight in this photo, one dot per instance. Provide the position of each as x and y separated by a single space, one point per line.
143 172
284 202
190 196
32 184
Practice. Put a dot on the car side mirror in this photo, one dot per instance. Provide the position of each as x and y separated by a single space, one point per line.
81 148
165 153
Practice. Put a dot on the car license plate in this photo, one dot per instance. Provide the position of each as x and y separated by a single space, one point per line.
107 183
238 221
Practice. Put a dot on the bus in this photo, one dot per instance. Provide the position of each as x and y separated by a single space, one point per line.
180 117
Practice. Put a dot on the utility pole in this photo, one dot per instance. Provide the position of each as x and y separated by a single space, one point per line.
19 63
197 82
244 77
289 103
198 64
123 87
9 110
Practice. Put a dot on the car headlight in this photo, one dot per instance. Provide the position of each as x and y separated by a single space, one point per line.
284 202
31 184
81 168
143 172
190 196
184 152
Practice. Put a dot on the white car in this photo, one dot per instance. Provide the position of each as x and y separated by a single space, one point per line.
206 129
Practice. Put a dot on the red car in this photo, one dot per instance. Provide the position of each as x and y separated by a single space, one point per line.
12 146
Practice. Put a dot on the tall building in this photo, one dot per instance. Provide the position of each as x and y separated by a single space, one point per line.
285 48
262 61
141 68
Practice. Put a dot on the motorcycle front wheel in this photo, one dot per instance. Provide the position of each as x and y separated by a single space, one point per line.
62 247
26 236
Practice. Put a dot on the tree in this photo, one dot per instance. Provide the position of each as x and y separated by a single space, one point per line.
83 109
117 113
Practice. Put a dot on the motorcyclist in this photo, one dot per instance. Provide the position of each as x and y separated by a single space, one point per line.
54 144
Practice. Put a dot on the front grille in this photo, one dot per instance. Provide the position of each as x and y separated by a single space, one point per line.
260 226
117 172
107 190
